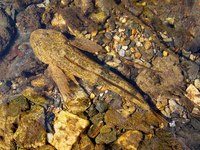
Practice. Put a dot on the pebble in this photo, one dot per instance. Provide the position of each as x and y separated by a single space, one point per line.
92 96
121 30
167 112
124 47
108 35
196 111
130 140
174 107
118 47
117 38
165 53
138 55
186 53
192 57
122 52
88 36
147 45
107 48
124 20
127 32
138 44
106 137
101 106
172 124
193 94
95 129
126 43
197 83
133 31
128 53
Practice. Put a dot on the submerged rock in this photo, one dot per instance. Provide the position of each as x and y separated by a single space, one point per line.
6 31
67 128
106 136
165 76
130 140
193 94
31 132
29 19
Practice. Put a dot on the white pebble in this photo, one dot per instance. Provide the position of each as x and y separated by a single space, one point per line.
172 124
117 38
122 52
138 44
124 47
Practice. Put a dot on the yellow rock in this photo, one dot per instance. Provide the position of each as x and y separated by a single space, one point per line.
38 82
147 45
58 20
138 55
33 96
99 17
67 128
130 140
165 53
92 96
193 94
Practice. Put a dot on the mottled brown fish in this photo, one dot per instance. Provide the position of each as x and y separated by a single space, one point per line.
51 47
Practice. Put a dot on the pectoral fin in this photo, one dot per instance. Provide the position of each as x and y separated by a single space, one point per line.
62 81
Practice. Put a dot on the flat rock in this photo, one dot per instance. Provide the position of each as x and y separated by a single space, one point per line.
31 132
130 140
67 128
6 31
193 94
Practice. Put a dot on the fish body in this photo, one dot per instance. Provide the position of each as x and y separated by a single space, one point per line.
52 48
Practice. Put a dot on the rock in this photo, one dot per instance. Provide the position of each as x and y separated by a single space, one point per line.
10 114
147 45
67 128
138 55
197 83
196 111
97 118
17 105
29 19
193 94
79 100
87 6
106 137
6 31
195 123
191 68
101 106
108 35
19 5
165 53
95 129
39 82
124 47
86 143
162 140
166 76
33 96
5 87
130 140
174 107
31 132
122 52
72 20
92 111
100 147
99 17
